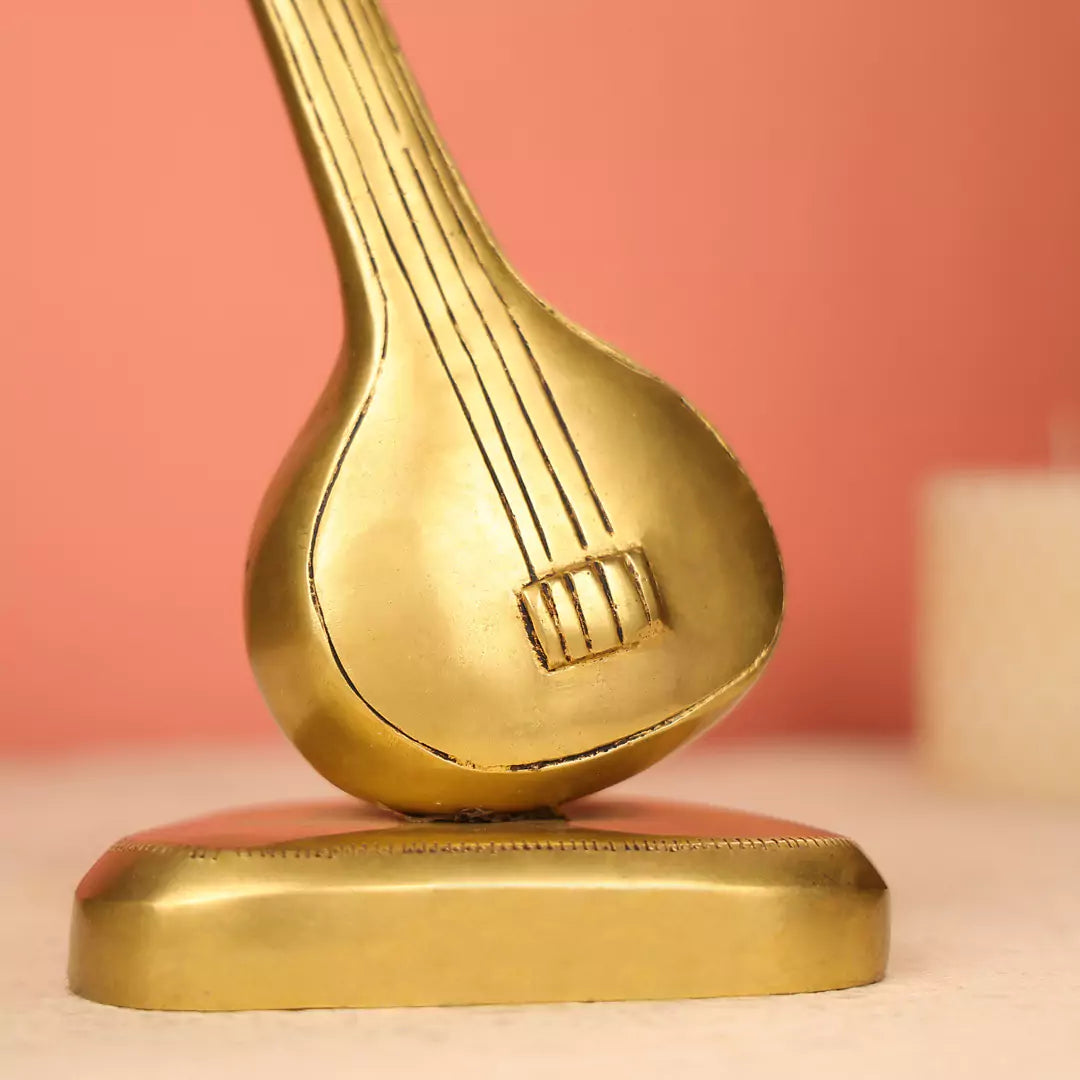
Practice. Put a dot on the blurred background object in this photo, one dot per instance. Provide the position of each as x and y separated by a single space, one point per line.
872 275
999 657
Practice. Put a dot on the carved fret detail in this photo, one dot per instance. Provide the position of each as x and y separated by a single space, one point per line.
590 609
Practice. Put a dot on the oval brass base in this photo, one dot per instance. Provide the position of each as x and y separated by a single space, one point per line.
340 904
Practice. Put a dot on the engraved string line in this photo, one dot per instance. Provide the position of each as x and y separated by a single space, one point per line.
564 498
409 97
434 162
515 469
523 766
515 528
356 427
425 194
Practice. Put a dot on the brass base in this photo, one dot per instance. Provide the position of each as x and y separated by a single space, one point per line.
339 904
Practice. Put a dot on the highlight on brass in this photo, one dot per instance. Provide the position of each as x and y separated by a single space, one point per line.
501 566
300 905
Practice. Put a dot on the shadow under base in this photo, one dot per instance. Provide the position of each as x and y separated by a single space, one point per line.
339 904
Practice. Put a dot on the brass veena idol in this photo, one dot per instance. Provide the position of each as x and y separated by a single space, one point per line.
500 569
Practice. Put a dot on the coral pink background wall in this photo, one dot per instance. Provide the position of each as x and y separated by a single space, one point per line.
848 229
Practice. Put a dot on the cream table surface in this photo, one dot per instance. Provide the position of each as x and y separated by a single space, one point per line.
984 979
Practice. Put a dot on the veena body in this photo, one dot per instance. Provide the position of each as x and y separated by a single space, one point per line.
501 567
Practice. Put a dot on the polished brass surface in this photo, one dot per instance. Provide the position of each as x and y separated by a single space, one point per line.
338 904
501 567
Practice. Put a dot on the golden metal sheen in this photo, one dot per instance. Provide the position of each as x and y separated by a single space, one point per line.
501 567
338 904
